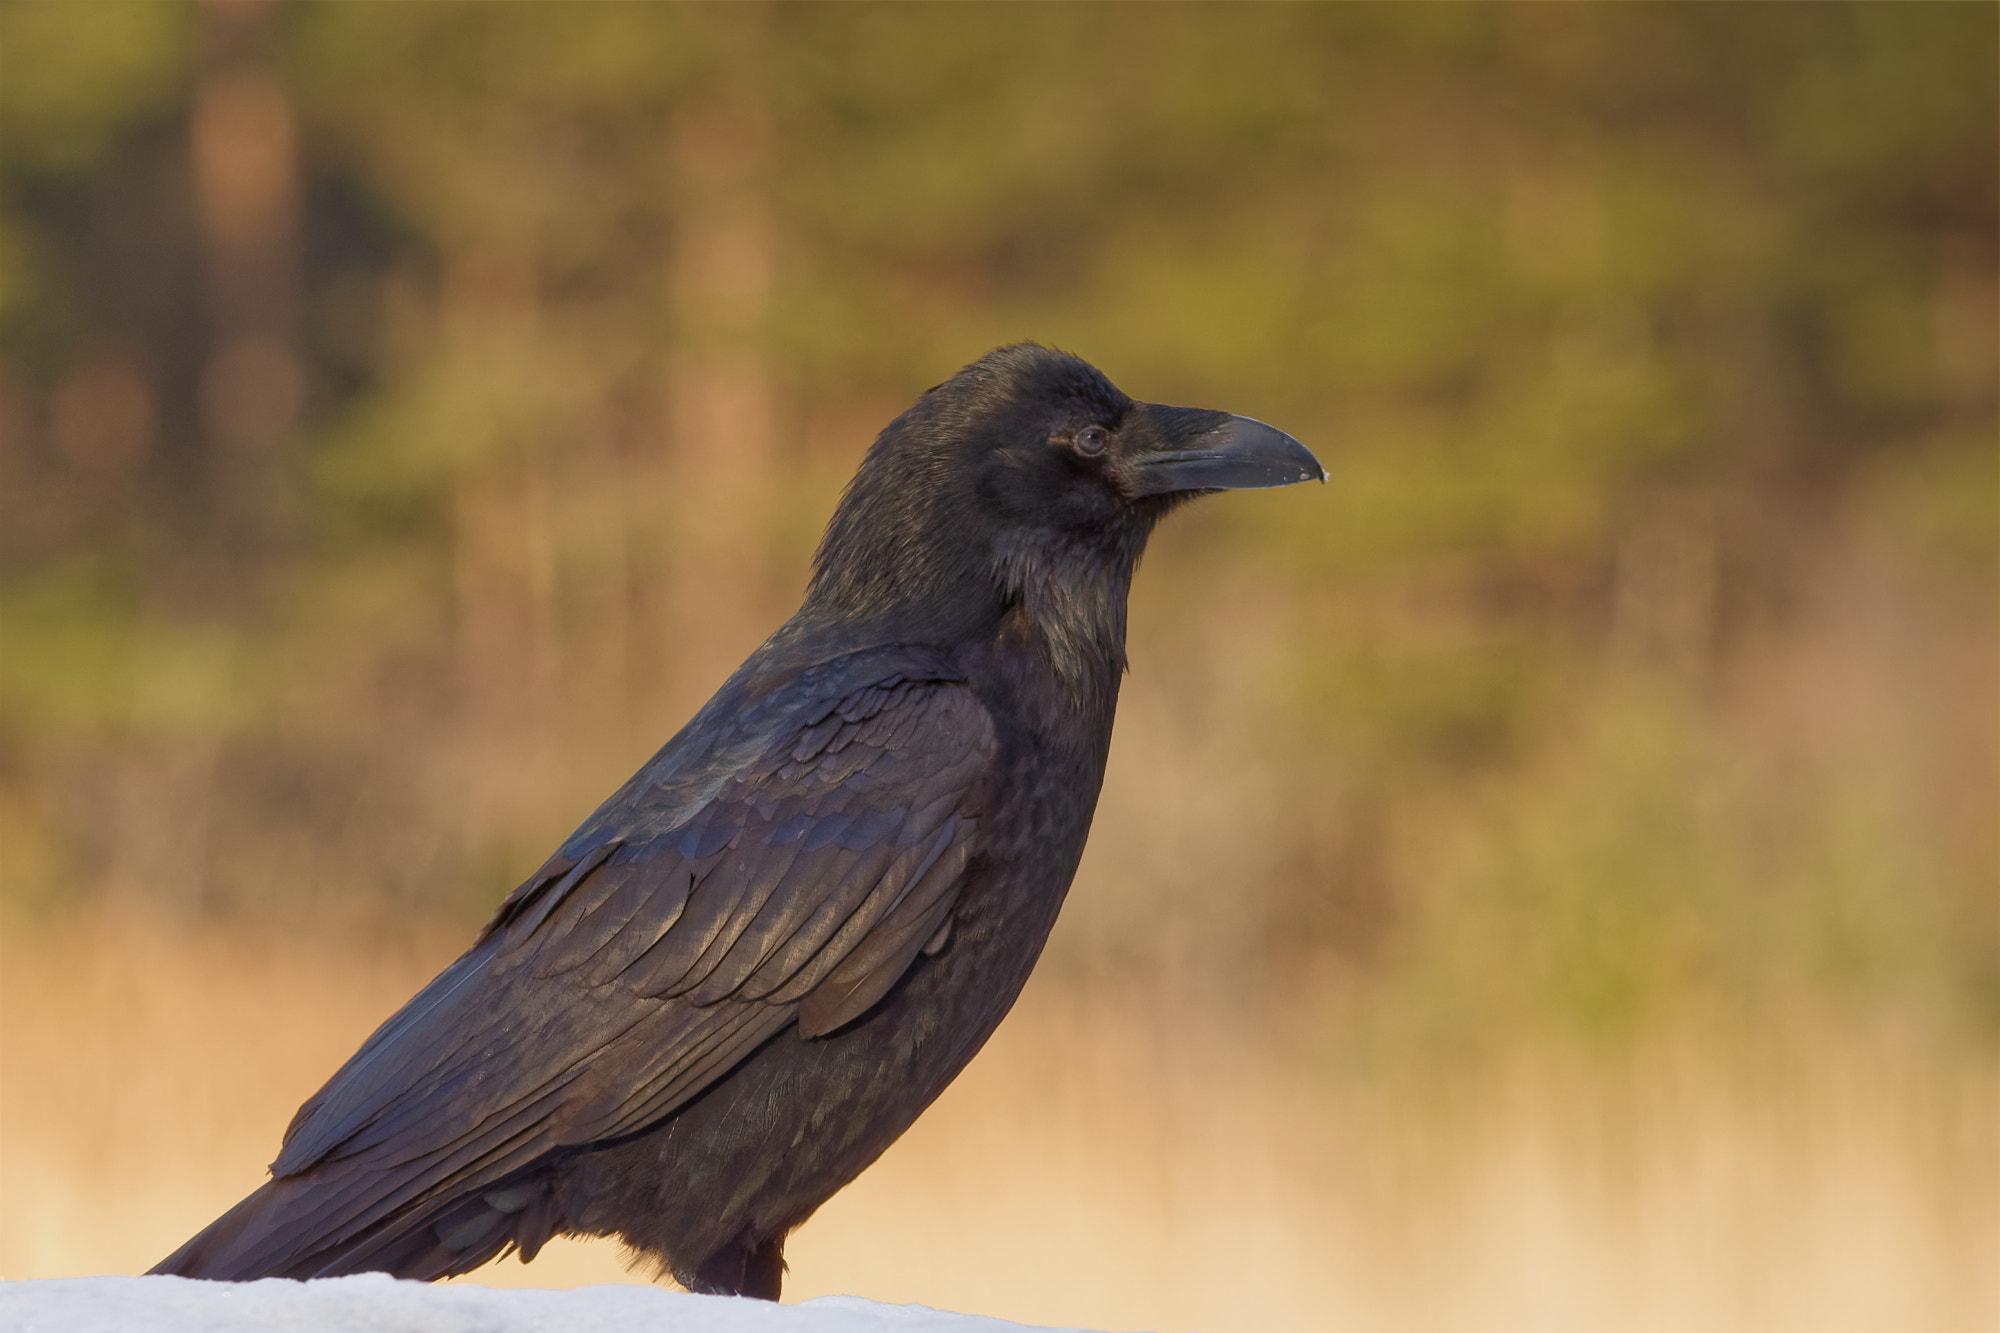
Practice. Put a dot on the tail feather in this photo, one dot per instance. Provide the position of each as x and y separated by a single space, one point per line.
273 1233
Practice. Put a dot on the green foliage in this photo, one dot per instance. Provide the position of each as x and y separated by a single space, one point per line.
1650 348
74 78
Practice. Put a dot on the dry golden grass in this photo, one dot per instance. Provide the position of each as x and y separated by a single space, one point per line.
1098 1167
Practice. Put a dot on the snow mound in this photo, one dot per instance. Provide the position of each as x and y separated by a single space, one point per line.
377 1303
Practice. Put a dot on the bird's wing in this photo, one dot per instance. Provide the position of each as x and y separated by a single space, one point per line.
630 973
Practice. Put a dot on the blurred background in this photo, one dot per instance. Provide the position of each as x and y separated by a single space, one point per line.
1548 877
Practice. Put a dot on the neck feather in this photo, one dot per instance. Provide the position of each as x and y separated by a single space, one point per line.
1073 597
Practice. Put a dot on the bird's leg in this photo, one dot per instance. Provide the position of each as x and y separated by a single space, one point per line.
764 1269
746 1266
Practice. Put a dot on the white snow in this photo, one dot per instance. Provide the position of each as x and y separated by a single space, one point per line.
376 1303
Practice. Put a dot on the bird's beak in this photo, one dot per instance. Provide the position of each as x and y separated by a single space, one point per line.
1213 451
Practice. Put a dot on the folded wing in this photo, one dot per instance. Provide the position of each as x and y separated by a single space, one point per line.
630 973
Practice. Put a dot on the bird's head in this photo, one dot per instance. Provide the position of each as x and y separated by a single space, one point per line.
1028 481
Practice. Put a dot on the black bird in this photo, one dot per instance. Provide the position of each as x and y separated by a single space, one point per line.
756 964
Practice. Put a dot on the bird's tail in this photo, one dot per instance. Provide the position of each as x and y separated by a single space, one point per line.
282 1230
249 1241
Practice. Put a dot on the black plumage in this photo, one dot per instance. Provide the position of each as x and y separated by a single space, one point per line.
753 967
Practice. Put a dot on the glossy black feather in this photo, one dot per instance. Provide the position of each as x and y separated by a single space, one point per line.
754 965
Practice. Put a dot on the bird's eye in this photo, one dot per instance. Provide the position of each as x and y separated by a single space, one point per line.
1090 441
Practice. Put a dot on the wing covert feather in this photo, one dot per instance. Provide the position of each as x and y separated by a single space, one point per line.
626 975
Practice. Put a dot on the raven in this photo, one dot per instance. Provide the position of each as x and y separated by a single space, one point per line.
757 963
